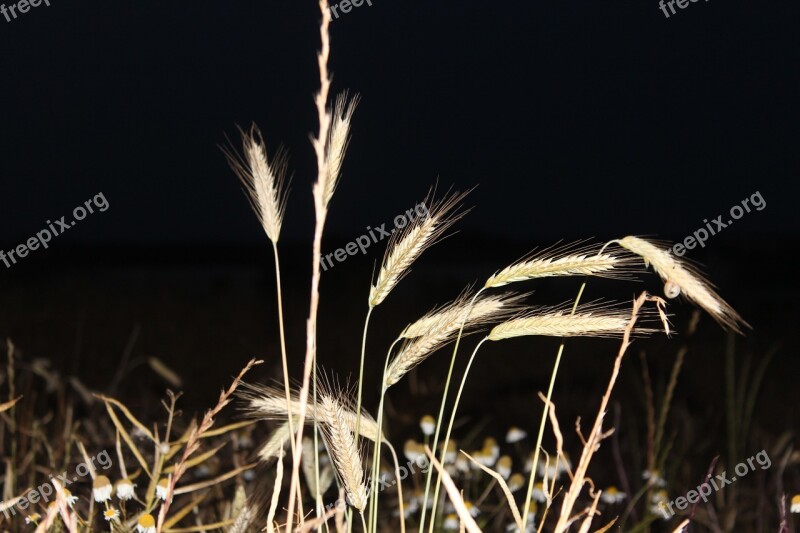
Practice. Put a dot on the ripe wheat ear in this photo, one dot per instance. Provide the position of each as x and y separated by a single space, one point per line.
407 245
680 277
263 180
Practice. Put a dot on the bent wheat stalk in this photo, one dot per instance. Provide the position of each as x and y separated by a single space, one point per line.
682 278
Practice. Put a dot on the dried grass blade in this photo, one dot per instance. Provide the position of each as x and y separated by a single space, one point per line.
203 457
133 420
5 406
126 437
211 482
185 510
169 375
202 527
458 502
504 486
276 493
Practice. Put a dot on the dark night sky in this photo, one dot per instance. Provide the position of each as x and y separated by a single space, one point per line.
576 118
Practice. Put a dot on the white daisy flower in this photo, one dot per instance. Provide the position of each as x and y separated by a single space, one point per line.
490 447
503 466
516 482
656 476
658 504
612 495
451 523
102 489
125 490
413 450
162 488
111 514
70 498
515 434
146 524
796 503
472 509
428 425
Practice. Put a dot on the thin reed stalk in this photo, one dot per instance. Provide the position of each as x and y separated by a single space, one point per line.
439 418
543 421
320 210
376 458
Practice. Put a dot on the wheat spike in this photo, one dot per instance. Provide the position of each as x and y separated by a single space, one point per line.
338 140
406 245
679 275
264 181
564 261
276 442
440 327
449 312
270 403
344 451
596 322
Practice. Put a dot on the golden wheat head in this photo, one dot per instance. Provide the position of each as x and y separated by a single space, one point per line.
682 278
263 180
590 320
439 327
338 140
270 403
570 260
406 245
344 450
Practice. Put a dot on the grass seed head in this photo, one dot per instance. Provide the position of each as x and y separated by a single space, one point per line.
570 260
263 180
682 278
344 450
406 245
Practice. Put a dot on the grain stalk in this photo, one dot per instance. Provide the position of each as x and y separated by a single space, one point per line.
320 210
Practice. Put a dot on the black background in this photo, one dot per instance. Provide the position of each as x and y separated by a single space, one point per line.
576 119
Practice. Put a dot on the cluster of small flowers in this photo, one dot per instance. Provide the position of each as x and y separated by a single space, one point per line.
102 491
489 456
